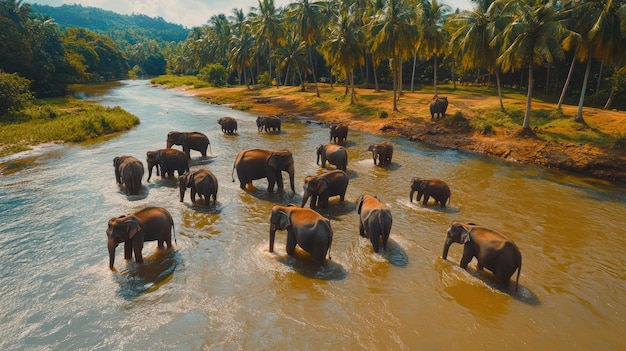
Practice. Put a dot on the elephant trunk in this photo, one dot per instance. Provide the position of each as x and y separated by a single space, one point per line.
317 162
411 195
182 191
111 245
446 246
305 197
272 236
169 144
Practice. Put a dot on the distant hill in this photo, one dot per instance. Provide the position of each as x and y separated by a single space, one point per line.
104 21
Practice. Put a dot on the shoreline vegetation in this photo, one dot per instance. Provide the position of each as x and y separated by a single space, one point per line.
473 121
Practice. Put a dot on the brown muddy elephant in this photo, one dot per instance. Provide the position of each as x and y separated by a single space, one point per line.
202 182
383 152
375 220
128 171
305 227
261 163
189 141
438 189
320 188
168 161
493 250
334 154
147 224
338 133
438 107
229 125
267 123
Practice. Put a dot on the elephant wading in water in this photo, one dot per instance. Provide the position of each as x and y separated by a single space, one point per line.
148 224
267 123
438 107
128 171
383 152
436 188
375 220
305 227
168 160
190 141
202 182
229 125
493 250
338 133
260 163
320 188
334 154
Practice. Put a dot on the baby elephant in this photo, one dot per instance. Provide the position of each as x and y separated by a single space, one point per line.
383 152
202 182
375 220
129 171
438 189
148 224
320 188
493 250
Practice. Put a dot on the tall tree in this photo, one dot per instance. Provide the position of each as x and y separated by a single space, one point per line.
433 38
269 29
242 46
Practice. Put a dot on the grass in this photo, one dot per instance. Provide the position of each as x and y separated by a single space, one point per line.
172 81
61 120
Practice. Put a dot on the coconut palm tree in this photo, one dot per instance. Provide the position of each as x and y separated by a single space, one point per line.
241 53
267 24
433 38
531 38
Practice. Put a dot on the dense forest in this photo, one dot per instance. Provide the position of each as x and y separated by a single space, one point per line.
570 50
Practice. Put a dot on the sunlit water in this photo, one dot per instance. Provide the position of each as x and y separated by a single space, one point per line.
220 288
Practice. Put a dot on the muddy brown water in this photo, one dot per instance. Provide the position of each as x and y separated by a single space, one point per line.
221 289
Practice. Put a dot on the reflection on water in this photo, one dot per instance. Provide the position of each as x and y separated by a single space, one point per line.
220 288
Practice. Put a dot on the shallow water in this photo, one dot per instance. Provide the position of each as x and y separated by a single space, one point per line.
220 288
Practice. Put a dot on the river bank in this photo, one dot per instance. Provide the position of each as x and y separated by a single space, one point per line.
556 143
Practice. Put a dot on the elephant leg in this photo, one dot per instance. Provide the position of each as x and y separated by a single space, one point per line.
362 230
193 195
479 266
468 254
279 180
375 242
291 244
137 247
128 250
426 198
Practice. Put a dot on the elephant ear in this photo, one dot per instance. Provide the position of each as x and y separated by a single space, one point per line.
271 160
465 235
283 220
132 228
323 185
423 185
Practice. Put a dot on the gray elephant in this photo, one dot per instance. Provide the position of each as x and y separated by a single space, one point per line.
260 163
190 141
229 125
128 171
493 250
148 224
202 182
168 161
320 188
305 227
375 220
438 189
267 123
338 133
383 152
438 107
334 154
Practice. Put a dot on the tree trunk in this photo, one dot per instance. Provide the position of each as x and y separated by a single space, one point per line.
435 74
567 80
413 74
352 84
529 96
395 84
499 89
608 102
376 87
600 76
317 91
579 115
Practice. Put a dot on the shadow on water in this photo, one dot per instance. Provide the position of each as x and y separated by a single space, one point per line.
306 265
143 193
395 254
200 207
336 208
282 197
202 160
157 269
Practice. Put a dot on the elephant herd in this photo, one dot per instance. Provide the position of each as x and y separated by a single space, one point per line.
305 226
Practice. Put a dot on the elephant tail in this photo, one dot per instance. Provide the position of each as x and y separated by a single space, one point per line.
519 270
174 229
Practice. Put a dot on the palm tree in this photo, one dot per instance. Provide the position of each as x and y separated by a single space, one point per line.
532 37
310 21
392 31
432 41
292 54
268 29
241 51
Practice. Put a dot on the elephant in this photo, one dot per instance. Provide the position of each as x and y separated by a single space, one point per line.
261 163
190 141
334 154
305 227
267 123
202 182
493 250
375 220
320 188
147 224
338 133
436 188
438 106
168 160
128 171
382 151
229 125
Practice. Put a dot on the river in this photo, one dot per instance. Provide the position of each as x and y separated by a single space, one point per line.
220 288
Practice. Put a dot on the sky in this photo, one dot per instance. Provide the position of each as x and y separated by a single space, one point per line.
189 13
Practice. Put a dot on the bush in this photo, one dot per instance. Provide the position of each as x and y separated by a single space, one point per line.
382 114
265 79
215 74
14 93
456 120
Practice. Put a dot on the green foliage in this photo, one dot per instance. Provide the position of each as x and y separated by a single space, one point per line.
172 81
265 79
242 107
215 74
93 57
69 121
457 120
14 93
